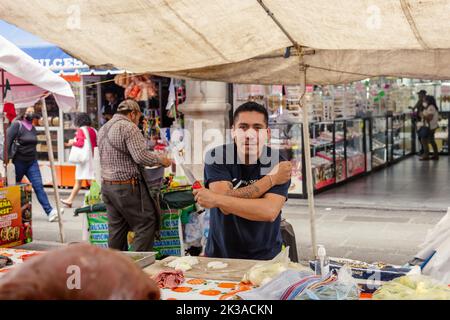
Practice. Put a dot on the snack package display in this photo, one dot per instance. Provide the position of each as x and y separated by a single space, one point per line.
417 287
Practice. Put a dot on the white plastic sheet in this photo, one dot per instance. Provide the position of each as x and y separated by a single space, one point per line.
26 70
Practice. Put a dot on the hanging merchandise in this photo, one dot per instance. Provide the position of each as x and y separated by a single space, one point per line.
137 87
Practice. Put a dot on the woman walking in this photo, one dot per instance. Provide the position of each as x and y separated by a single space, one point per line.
85 170
22 141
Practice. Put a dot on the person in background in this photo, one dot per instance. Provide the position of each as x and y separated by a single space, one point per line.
417 111
112 102
130 206
23 135
83 171
430 119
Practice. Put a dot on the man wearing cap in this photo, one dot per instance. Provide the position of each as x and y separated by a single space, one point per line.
130 207
417 111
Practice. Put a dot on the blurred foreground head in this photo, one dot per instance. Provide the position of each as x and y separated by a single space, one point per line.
78 272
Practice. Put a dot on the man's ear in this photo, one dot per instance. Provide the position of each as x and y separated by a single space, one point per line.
233 132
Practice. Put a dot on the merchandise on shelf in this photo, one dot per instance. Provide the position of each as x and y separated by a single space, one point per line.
287 137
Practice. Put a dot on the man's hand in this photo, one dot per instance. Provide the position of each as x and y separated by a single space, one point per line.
165 162
206 198
281 173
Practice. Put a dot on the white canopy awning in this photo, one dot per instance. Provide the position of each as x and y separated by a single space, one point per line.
218 40
25 69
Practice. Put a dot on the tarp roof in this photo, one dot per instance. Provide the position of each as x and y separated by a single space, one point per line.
24 70
219 40
47 54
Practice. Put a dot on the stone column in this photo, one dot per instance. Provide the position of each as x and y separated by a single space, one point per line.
206 120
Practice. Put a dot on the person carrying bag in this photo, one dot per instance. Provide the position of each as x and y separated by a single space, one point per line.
430 118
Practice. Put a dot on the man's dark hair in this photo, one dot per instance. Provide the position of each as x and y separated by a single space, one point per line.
82 119
249 107
109 90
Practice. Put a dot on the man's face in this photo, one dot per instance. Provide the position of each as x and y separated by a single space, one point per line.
250 133
110 97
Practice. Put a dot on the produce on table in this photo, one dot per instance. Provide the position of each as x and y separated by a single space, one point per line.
259 275
196 281
217 265
183 263
95 273
416 287
265 271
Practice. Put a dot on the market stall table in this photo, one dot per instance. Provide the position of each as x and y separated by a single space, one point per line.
203 283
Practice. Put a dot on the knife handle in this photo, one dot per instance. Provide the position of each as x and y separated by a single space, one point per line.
197 185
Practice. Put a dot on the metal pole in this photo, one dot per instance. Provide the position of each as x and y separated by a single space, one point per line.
52 166
307 153
4 124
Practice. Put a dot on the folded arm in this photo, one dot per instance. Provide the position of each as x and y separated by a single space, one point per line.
265 209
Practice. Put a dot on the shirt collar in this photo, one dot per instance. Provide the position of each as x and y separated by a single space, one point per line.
119 116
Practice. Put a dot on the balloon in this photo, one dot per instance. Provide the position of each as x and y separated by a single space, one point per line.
381 93
366 83
376 99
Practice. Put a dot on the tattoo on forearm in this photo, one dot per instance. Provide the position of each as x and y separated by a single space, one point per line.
248 192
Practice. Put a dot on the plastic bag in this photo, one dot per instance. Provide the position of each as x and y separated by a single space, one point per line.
94 195
273 290
344 288
91 198
265 271
193 231
437 243
417 287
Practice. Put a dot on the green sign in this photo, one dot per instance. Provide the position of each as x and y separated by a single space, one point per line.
170 243
98 229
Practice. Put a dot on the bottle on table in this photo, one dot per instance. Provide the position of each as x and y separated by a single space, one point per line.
322 263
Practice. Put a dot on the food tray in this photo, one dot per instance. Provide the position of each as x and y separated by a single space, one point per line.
142 259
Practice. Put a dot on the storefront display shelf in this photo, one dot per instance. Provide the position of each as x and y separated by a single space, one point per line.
288 138
322 153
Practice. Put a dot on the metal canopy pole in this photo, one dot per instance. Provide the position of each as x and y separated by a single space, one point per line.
307 148
307 153
52 166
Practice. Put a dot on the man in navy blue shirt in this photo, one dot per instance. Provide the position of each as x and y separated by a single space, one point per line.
246 186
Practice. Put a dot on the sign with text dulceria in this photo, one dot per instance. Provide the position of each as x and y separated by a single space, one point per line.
15 215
